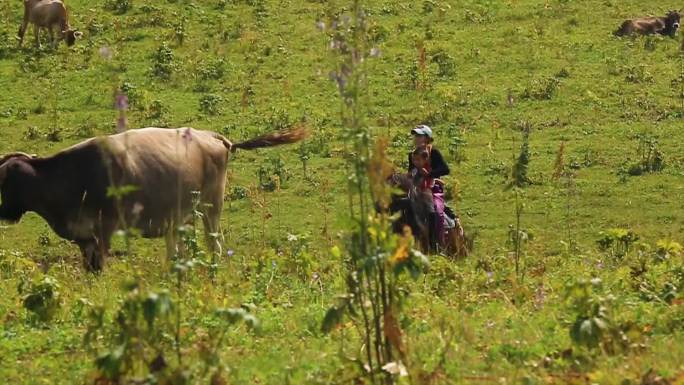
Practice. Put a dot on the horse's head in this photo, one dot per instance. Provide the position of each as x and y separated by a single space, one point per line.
402 181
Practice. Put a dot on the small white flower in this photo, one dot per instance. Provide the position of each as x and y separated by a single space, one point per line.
291 238
396 368
320 25
375 52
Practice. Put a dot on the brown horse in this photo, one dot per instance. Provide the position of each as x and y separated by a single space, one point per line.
413 214
667 25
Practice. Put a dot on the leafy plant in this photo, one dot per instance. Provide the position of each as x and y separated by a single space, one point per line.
446 64
594 326
617 241
592 320
456 144
651 158
667 249
180 29
118 6
520 168
163 62
41 297
210 104
273 174
542 89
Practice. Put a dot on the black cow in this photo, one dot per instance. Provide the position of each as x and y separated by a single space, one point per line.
667 25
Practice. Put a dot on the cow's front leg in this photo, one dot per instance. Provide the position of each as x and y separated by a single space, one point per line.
52 37
171 238
93 255
22 31
36 35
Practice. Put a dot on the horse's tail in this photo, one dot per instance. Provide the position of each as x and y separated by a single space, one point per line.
278 138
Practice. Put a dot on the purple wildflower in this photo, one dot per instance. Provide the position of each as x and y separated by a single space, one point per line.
121 101
230 253
187 136
320 25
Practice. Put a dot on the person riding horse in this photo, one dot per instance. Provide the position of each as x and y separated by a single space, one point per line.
423 205
435 168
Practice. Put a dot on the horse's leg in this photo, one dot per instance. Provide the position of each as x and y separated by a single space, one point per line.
438 200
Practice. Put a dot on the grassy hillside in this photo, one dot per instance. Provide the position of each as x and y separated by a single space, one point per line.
480 73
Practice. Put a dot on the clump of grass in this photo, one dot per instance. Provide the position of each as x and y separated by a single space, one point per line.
118 6
542 89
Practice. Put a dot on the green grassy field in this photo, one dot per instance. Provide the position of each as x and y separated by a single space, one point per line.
492 69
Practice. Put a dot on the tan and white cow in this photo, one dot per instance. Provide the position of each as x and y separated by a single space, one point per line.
72 190
48 14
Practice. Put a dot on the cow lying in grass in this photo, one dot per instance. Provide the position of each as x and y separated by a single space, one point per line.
48 14
153 171
667 25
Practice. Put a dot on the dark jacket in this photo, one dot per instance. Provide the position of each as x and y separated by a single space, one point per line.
438 167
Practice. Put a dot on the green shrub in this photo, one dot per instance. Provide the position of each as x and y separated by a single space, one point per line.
210 104
163 63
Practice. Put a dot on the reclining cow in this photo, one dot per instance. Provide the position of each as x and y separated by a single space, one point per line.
72 190
48 14
667 25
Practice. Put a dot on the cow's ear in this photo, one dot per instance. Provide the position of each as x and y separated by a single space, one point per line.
78 34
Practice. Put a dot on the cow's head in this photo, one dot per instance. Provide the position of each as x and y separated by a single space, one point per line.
16 175
672 21
70 36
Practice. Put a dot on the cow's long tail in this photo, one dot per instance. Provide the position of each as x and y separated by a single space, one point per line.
277 138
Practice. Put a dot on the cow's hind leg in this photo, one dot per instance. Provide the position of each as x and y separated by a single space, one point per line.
212 228
171 239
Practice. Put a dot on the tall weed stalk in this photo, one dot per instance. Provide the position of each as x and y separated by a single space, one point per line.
375 259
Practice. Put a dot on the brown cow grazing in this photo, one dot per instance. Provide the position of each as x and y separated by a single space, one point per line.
667 25
48 14
72 190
